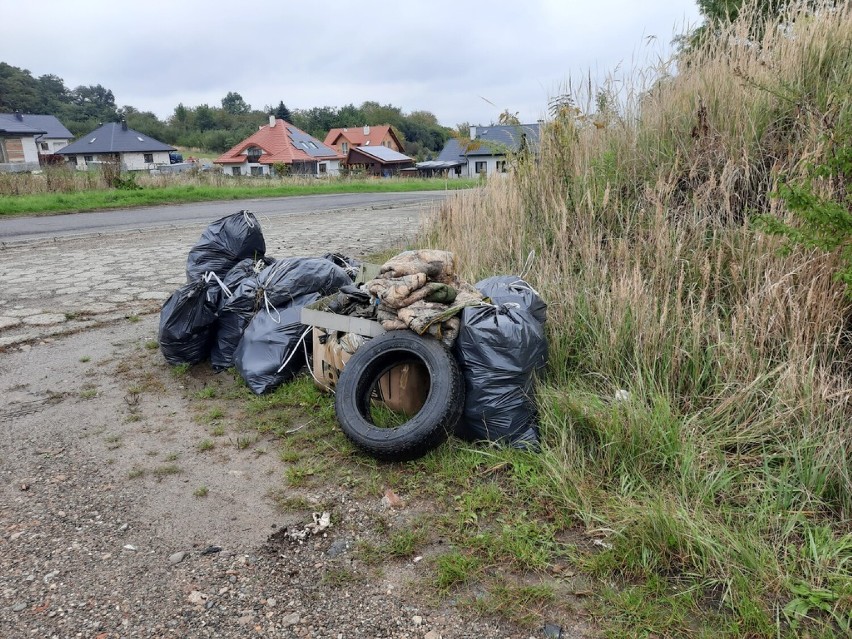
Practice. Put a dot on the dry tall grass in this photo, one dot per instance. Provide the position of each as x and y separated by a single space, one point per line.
736 444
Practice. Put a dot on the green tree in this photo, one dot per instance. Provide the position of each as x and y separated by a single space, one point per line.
94 103
234 104
204 120
18 90
719 13
282 112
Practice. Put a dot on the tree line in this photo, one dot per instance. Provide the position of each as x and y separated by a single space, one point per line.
213 128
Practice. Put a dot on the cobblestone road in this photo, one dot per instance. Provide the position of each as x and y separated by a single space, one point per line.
69 284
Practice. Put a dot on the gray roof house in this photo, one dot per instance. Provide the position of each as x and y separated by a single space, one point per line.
54 136
486 152
115 141
18 148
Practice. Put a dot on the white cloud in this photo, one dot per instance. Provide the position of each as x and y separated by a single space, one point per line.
441 56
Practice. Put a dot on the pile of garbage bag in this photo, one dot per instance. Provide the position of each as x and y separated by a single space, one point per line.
494 328
241 308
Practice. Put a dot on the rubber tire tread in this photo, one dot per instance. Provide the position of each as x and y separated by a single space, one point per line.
426 430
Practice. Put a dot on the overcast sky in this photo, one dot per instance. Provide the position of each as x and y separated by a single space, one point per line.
463 61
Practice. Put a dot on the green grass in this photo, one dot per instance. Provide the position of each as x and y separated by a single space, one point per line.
112 199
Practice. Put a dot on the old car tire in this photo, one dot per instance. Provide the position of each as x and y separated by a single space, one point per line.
425 430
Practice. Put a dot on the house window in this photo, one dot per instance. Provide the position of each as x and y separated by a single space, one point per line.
253 153
235 170
257 170
501 166
344 148
2 153
45 146
72 159
87 158
480 167
323 167
149 158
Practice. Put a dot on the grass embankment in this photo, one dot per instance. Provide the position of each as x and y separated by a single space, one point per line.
721 489
165 190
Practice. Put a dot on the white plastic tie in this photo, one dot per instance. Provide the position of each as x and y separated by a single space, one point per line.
249 217
268 305
295 348
211 275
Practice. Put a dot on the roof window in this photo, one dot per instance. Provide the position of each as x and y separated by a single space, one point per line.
140 139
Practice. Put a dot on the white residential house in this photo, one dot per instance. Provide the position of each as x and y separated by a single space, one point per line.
280 143
115 141
18 147
486 153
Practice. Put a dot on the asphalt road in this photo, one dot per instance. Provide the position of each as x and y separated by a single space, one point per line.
50 226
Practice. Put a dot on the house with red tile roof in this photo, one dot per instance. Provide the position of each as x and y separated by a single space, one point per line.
280 142
343 140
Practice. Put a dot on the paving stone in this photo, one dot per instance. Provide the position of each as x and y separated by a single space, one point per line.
96 307
154 295
118 274
44 319
7 322
22 312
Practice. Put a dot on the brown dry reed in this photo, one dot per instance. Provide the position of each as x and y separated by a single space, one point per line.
733 451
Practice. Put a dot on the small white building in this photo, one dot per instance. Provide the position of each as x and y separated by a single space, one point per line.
486 153
18 148
115 141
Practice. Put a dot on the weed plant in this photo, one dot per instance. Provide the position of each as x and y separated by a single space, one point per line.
725 469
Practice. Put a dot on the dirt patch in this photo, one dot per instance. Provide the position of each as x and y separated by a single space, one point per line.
126 513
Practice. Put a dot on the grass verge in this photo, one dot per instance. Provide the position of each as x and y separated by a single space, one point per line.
92 200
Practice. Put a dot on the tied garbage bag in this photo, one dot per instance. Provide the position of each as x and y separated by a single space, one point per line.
271 351
499 349
276 287
348 264
224 243
186 324
243 270
505 289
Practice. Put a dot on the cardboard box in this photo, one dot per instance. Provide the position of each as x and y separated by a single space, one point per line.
405 387
402 389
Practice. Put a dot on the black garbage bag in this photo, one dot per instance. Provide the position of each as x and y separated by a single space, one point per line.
234 314
291 278
271 351
186 324
508 289
244 269
224 243
348 264
277 286
499 349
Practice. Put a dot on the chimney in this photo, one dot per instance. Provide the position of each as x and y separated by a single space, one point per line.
19 116
124 125
366 130
271 121
472 132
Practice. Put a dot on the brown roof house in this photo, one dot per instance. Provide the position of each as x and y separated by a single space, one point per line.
280 142
378 160
343 140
